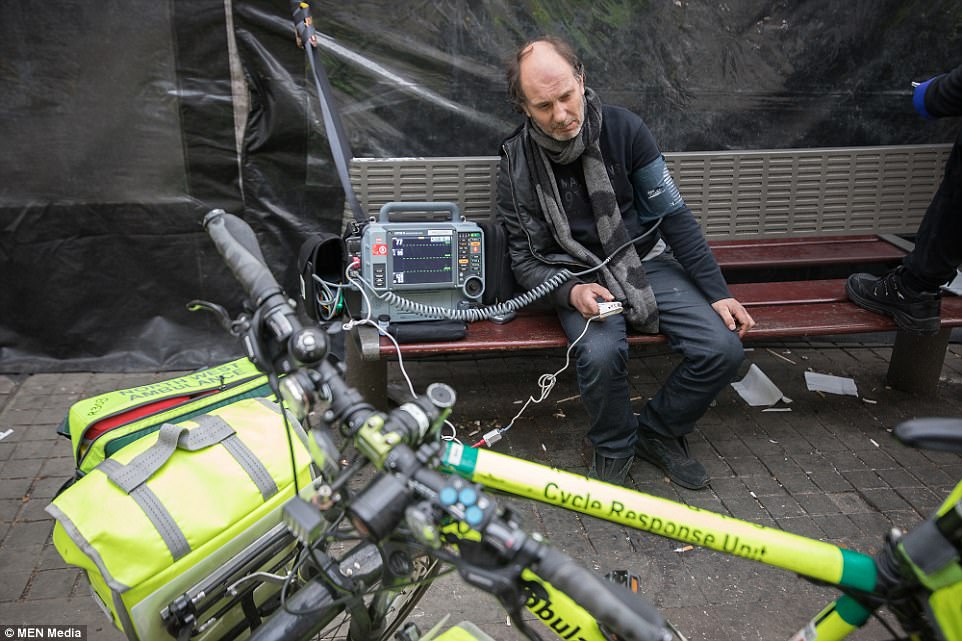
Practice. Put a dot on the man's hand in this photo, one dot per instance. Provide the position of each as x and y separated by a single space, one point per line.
734 315
583 297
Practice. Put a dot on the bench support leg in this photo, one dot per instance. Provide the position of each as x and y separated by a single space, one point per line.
368 377
917 361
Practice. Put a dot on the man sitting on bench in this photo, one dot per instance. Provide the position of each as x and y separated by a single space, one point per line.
578 182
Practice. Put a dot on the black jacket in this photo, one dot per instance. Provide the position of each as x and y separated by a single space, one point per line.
943 96
626 144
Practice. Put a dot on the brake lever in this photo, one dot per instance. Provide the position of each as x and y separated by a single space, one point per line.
504 583
235 327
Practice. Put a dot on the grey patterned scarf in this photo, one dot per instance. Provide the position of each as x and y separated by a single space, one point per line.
624 276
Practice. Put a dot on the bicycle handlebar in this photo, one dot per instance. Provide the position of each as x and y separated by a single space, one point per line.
238 246
633 618
383 440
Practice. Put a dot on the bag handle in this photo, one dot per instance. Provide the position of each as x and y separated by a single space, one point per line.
210 430
132 475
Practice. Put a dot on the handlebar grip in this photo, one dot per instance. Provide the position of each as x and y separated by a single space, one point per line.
629 616
237 244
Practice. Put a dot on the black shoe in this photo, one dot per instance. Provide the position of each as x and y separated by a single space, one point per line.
671 456
915 312
610 470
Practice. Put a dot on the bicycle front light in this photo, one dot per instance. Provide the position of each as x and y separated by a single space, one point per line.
379 509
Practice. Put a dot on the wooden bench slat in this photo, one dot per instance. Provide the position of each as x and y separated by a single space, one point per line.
777 319
794 292
801 252
796 241
823 319
828 319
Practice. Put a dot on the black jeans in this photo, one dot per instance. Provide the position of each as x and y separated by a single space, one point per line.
938 246
711 356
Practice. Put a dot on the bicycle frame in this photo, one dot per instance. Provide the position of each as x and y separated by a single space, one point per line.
818 560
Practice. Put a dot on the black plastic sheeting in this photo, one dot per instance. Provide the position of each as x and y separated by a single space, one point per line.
122 123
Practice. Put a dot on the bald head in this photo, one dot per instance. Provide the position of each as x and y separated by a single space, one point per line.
513 71
549 87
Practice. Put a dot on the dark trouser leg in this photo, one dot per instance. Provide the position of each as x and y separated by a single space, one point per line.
711 352
938 245
601 362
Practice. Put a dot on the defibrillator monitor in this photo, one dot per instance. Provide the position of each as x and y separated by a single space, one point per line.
434 263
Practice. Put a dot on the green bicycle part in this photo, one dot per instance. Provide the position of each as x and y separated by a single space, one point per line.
835 622
373 443
799 554
954 497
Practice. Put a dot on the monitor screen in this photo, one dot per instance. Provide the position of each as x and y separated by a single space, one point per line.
422 257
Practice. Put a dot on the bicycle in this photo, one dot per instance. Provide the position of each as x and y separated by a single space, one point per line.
904 577
406 521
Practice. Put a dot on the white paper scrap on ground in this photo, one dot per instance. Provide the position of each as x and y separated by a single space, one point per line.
830 384
955 286
757 389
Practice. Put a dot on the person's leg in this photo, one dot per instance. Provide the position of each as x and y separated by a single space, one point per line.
938 244
711 354
601 364
910 293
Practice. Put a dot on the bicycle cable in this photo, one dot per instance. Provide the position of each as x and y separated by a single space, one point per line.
888 628
353 596
321 572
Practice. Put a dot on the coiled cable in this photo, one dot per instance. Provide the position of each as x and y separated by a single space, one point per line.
473 314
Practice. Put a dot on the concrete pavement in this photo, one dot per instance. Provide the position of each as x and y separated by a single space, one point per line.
827 468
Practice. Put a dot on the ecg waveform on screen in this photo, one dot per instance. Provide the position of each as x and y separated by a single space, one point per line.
420 259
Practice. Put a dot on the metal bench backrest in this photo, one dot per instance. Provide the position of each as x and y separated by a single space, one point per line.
734 194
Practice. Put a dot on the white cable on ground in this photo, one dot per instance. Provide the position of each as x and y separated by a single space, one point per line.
546 382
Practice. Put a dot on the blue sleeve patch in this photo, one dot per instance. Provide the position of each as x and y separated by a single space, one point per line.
655 191
918 98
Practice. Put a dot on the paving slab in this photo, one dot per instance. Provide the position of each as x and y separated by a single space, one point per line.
826 468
